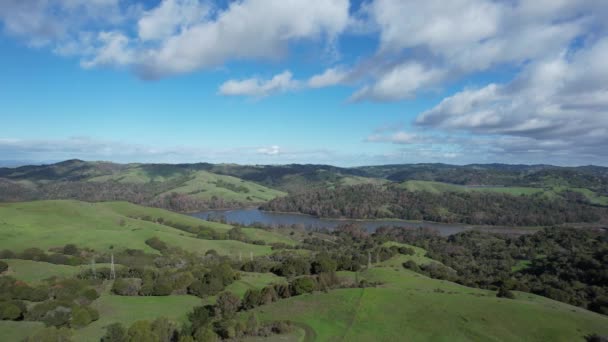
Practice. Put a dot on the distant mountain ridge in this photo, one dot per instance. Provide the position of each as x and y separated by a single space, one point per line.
197 186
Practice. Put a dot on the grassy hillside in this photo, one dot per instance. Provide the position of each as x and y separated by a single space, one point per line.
205 185
200 184
548 191
130 309
46 224
416 308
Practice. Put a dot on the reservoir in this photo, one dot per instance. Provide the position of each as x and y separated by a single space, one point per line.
251 215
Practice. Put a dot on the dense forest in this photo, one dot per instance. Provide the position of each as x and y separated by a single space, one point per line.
481 208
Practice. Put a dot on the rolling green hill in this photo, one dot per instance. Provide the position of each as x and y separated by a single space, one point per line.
412 307
47 224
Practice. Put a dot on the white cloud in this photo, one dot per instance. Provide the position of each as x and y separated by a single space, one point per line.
245 30
257 87
112 50
329 77
460 37
556 104
401 82
171 15
270 151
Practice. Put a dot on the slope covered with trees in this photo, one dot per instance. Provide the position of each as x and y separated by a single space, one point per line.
480 208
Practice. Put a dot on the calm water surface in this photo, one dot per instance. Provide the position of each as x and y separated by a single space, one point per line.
249 216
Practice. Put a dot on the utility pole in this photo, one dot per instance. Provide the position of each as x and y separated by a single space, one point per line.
112 270
93 268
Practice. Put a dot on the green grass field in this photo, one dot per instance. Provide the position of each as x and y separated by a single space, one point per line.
17 331
127 310
419 256
252 280
46 224
412 307
37 271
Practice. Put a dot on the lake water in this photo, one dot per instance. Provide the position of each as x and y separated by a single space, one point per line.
249 216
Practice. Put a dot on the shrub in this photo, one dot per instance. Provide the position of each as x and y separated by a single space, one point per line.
127 286
411 265
302 285
503 292
3 266
70 249
157 244
115 332
10 311
80 317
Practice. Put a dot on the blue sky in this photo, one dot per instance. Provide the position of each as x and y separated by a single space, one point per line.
324 81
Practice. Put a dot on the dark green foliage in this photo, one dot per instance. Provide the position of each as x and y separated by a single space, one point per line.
157 244
251 299
10 311
3 266
80 318
372 201
411 265
141 331
70 249
323 263
568 265
302 285
227 305
164 329
201 316
127 286
115 332
503 292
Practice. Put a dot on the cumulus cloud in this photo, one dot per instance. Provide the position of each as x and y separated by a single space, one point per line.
563 97
169 17
43 22
108 49
401 82
245 30
329 77
457 38
177 36
257 87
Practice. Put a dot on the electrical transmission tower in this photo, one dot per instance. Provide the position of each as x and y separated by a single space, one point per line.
112 270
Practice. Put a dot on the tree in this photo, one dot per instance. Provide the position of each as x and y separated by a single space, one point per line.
302 285
252 325
200 317
324 263
10 311
227 304
115 332
70 249
251 299
141 331
3 266
80 317
164 329
503 292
